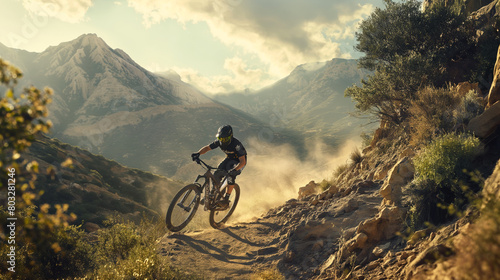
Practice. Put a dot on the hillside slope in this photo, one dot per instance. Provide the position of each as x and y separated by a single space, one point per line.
96 188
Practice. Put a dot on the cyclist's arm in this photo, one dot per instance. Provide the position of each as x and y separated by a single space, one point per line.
204 149
243 162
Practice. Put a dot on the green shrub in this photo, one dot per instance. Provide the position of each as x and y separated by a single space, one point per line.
128 251
324 185
441 186
445 158
116 242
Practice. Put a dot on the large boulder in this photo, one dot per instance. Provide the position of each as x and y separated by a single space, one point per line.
385 225
399 175
494 94
309 189
491 189
486 123
470 5
487 14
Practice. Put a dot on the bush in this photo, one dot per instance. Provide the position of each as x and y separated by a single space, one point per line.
431 114
410 49
441 187
116 242
128 251
324 185
445 158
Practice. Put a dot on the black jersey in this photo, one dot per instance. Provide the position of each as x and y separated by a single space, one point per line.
234 150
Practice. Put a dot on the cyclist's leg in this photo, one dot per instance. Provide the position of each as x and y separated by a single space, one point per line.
222 165
231 180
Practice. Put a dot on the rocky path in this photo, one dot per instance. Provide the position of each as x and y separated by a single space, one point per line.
297 237
235 252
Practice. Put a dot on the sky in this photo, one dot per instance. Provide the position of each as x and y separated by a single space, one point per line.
219 46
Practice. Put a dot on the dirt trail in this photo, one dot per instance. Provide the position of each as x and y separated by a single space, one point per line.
299 235
235 252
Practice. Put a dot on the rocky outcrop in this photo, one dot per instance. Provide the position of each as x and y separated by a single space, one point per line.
494 94
491 188
307 190
469 5
487 14
399 175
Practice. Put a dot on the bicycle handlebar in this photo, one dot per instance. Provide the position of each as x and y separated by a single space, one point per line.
202 163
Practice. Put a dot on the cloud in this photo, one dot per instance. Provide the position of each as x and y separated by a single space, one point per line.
282 33
241 77
69 11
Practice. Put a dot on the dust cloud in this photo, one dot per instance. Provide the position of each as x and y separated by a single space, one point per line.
274 173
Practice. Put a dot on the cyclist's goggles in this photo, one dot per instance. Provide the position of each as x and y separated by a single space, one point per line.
224 139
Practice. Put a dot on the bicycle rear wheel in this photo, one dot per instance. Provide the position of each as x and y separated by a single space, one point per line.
219 217
183 207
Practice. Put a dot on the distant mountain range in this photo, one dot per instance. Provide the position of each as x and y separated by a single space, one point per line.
310 100
108 104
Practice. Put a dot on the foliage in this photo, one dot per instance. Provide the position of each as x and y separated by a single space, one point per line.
430 114
441 187
324 185
46 246
409 49
402 29
445 158
41 241
487 48
128 251
436 111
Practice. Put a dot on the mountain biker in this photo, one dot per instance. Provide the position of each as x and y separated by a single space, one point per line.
235 161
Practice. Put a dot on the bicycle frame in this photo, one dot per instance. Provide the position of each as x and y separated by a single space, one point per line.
212 187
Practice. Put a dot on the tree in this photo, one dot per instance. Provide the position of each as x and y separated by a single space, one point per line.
409 49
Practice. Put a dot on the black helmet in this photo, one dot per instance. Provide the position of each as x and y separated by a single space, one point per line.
225 134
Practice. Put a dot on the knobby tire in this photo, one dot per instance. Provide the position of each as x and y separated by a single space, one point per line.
218 223
175 207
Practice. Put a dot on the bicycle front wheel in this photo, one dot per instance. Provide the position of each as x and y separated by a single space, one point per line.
219 217
183 207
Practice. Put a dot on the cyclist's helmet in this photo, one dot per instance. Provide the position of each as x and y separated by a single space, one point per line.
225 134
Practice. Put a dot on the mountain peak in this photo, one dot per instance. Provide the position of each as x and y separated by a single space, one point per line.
90 39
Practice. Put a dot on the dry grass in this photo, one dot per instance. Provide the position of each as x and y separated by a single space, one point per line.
356 157
268 274
430 114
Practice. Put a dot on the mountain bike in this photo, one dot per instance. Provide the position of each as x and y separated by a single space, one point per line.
186 201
